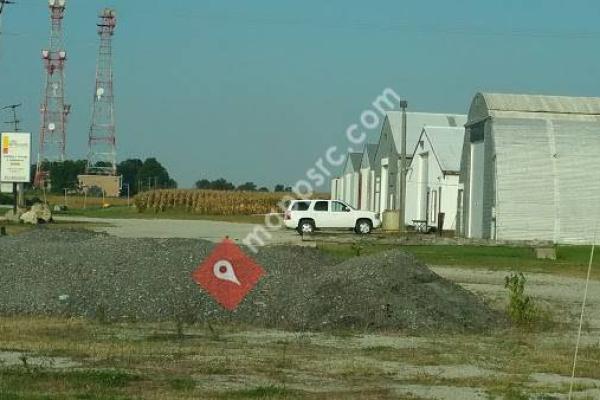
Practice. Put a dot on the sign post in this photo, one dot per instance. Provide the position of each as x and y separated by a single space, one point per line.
15 159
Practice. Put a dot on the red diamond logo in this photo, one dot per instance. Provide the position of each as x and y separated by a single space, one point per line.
228 274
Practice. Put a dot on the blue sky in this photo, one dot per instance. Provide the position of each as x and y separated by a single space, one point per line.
259 90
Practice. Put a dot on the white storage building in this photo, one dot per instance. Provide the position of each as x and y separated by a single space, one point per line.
387 158
336 188
351 179
367 178
432 179
530 168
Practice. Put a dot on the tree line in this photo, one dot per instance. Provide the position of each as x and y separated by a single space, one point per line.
224 185
137 175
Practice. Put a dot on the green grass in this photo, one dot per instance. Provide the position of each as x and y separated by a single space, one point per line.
15 229
571 260
118 362
124 212
79 384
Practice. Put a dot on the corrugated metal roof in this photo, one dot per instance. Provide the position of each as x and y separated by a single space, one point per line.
353 162
486 104
416 121
447 144
370 152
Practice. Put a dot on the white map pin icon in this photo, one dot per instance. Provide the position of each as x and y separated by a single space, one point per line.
224 271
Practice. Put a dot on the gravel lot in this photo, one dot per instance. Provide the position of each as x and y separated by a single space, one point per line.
213 231
104 277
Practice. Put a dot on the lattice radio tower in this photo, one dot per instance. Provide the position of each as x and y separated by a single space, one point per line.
54 110
102 155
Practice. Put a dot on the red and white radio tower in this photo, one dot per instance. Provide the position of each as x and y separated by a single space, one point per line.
54 110
102 155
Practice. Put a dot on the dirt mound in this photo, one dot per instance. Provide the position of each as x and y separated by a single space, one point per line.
98 276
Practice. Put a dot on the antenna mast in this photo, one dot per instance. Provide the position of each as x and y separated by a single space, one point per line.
15 121
54 111
102 155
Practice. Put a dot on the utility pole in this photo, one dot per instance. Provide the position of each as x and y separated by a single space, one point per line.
18 188
403 170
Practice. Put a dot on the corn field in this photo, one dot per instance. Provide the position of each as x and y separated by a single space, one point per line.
209 202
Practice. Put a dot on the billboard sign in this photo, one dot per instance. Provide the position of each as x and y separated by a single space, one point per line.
15 157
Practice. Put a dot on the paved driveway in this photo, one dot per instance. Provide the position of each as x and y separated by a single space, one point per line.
214 231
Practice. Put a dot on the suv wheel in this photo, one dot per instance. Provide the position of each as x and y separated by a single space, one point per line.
363 227
306 226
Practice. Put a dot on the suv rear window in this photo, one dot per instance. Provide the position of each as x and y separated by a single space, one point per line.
301 206
321 206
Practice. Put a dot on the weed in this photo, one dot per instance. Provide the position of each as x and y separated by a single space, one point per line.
260 392
101 313
521 307
182 384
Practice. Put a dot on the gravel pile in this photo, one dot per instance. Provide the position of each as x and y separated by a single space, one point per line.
98 276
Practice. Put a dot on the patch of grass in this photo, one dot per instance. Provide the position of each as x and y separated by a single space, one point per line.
124 212
16 229
146 360
37 381
571 260
182 384
260 392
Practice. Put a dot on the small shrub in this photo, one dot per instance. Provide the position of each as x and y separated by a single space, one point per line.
521 308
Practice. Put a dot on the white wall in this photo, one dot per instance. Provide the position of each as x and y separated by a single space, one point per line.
365 183
429 192
384 186
355 179
475 228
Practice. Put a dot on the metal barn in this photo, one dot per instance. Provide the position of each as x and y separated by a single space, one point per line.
367 178
529 169
351 179
387 159
432 179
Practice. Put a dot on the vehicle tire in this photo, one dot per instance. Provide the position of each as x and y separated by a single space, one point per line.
306 226
363 227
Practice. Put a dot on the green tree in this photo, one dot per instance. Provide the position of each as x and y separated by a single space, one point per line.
279 188
63 175
203 184
144 175
129 170
247 187
221 184
153 175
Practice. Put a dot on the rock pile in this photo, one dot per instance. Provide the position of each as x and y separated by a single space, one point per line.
98 276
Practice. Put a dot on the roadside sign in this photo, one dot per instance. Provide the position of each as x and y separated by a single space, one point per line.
228 274
15 157
6 187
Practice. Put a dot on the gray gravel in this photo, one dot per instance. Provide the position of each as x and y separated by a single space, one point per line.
98 276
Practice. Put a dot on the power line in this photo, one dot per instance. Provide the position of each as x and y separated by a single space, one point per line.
382 26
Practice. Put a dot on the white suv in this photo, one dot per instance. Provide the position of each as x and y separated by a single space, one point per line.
307 215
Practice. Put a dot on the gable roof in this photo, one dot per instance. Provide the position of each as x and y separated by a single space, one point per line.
353 162
447 145
416 121
489 104
368 155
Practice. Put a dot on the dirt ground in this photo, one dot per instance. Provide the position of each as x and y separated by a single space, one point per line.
560 296
233 362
